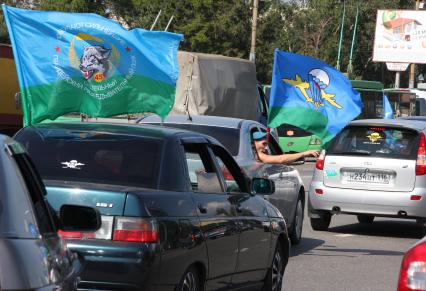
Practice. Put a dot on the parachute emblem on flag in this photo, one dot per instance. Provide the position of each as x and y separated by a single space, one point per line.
313 89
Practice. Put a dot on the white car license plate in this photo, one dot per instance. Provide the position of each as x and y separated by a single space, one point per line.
366 177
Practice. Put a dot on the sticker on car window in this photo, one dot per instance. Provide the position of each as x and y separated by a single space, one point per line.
330 172
374 137
73 164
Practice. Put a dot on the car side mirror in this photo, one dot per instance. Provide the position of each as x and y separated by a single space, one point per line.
79 218
262 186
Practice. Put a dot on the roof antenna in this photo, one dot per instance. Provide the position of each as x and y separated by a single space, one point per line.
189 116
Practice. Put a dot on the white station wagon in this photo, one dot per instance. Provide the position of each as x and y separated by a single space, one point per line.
372 168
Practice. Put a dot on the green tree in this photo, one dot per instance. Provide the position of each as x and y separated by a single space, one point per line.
209 26
83 6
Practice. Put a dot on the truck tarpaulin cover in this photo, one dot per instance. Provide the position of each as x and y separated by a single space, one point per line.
216 85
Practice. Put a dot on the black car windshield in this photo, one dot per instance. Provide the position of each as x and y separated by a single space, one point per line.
286 130
94 157
375 141
228 137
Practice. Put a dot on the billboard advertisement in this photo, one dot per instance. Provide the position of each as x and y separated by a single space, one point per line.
400 36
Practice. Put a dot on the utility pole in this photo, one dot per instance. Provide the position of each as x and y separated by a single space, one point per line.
253 32
397 79
413 66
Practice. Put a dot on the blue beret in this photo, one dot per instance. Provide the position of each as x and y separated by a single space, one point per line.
259 135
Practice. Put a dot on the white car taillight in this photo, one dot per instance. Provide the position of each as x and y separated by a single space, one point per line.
135 229
105 232
130 229
320 161
413 270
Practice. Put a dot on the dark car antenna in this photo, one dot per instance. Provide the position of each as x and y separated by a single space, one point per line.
189 116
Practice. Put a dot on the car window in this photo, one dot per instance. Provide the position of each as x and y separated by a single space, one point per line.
287 130
232 173
231 184
273 146
227 136
94 157
202 174
43 213
376 142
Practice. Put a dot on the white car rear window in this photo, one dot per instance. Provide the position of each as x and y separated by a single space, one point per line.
376 142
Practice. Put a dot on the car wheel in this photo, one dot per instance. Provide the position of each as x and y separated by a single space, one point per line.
321 223
274 278
190 281
367 219
296 230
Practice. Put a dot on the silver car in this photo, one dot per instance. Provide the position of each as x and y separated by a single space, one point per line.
33 255
372 168
235 135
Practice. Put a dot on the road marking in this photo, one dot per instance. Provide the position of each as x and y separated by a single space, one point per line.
344 235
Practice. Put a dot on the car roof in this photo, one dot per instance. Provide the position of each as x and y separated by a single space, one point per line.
423 118
413 124
218 121
150 131
4 139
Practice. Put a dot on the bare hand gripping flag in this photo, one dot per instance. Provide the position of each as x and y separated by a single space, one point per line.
81 62
312 95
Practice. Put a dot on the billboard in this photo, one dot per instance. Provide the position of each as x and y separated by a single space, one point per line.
400 36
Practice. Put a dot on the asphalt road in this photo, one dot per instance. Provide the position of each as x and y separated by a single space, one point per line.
349 256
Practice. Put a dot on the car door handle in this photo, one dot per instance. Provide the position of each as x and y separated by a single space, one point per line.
202 208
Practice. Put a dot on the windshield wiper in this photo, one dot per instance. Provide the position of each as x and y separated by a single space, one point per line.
357 152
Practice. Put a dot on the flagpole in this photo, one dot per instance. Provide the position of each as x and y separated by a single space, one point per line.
170 21
341 36
25 109
350 68
156 19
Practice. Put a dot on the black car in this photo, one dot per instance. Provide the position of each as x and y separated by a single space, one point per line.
33 256
170 220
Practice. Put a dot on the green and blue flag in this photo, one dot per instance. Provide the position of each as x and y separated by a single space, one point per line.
312 95
81 62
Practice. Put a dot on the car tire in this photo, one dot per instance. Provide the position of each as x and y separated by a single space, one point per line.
190 280
365 219
321 223
274 277
296 230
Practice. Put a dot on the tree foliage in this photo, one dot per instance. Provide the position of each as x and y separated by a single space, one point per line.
310 27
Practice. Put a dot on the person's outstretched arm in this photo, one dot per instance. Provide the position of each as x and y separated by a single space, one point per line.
285 158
